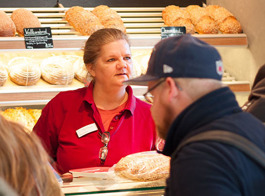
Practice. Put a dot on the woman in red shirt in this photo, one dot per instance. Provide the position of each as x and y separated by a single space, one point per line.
99 124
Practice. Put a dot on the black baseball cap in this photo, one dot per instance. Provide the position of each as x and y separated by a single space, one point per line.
183 56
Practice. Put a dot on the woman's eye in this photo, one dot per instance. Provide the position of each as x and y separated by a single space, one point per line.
127 58
110 60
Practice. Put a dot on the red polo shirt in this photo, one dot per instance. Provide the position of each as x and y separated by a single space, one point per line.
131 131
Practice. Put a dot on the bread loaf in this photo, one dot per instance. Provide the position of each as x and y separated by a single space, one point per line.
24 18
230 25
207 25
3 74
109 17
24 71
79 67
20 115
7 26
57 70
172 13
83 20
220 13
143 166
186 22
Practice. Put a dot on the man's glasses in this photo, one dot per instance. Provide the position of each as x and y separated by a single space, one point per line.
103 151
148 96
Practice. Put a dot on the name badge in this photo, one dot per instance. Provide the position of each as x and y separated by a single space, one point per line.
86 129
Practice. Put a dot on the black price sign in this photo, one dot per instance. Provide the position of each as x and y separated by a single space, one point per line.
172 31
38 37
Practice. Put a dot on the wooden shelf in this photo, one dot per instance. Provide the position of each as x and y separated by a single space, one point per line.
78 42
142 25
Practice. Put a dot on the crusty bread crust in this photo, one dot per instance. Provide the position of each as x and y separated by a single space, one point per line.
7 26
24 18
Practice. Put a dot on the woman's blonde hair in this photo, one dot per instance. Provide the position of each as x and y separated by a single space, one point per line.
24 162
98 39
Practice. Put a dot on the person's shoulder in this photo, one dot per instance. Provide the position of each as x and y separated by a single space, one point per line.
142 103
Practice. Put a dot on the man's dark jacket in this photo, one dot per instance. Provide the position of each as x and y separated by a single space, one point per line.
210 168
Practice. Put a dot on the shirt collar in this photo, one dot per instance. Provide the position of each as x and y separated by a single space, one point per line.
131 102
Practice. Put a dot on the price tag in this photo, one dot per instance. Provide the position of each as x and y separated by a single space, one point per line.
172 31
40 37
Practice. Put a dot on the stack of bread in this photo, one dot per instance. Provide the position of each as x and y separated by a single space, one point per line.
144 166
82 20
211 19
3 74
109 17
57 70
7 26
24 18
24 71
27 117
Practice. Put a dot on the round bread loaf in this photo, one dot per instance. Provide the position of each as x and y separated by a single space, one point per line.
7 26
24 71
83 20
3 74
145 166
24 18
79 67
57 70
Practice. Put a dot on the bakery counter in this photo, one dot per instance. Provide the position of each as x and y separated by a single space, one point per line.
107 183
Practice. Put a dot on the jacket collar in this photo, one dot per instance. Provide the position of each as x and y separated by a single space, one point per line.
208 108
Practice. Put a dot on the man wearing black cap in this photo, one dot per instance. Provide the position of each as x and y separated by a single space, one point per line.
184 83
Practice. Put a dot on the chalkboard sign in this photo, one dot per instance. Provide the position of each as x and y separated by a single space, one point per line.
172 31
40 37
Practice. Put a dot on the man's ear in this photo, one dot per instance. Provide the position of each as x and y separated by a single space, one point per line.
173 90
90 69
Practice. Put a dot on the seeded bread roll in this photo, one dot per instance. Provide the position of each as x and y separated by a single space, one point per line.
220 14
7 26
24 18
186 22
115 23
196 14
24 71
230 25
109 17
172 15
210 9
83 20
100 9
207 25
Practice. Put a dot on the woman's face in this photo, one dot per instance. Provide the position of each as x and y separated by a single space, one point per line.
114 64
